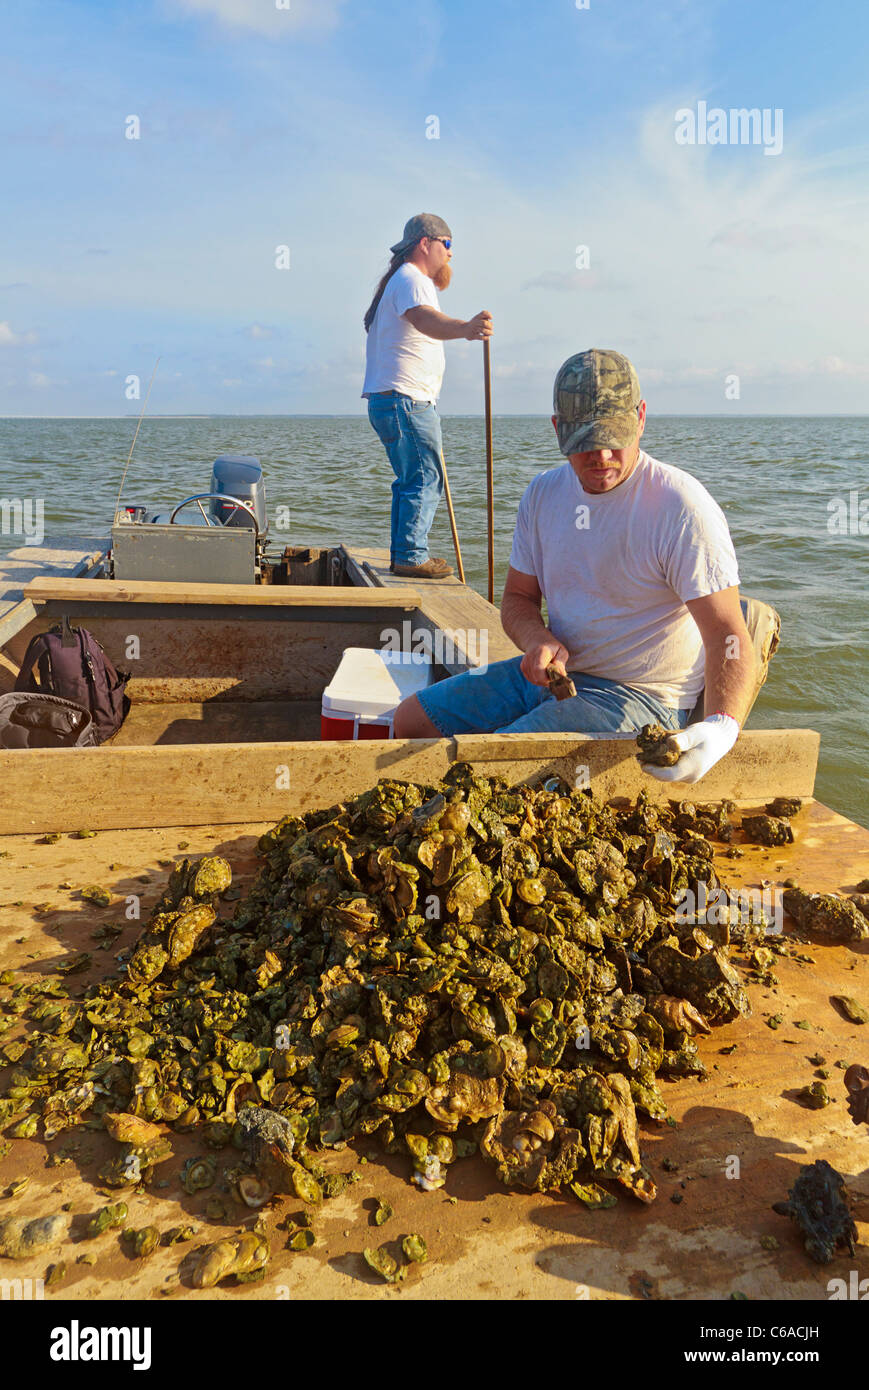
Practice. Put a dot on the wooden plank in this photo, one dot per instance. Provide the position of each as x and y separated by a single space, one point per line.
218 721
116 787
373 564
14 618
65 557
478 636
64 789
47 587
763 763
234 653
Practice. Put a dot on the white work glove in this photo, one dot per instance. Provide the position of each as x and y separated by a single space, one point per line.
702 746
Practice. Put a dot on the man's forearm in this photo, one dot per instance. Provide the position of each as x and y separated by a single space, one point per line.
437 325
730 679
522 620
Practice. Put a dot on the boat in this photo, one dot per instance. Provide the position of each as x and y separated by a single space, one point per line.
223 739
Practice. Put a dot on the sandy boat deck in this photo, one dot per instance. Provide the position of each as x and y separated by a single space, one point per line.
490 1243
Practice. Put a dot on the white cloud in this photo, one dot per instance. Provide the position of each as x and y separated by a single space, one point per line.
258 330
9 338
264 16
834 366
37 379
264 362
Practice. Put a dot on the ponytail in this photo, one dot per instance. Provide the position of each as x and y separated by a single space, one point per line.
398 259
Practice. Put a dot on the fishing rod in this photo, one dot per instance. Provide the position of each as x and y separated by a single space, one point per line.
136 435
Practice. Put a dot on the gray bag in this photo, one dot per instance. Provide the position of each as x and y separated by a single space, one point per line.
44 721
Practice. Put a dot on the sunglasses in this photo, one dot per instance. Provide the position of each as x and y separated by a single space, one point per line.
447 241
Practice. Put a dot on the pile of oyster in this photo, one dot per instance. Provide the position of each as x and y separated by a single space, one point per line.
446 968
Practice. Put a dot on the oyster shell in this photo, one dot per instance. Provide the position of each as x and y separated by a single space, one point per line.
656 746
237 1255
826 914
817 1204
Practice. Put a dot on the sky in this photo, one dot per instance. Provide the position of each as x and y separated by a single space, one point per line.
733 274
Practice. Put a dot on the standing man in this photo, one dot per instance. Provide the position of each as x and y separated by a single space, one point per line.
404 368
636 564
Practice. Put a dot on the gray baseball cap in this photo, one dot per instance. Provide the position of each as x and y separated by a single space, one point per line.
595 402
424 224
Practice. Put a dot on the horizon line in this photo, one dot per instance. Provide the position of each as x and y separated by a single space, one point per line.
458 415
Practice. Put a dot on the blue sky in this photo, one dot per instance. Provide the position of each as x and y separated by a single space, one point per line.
306 126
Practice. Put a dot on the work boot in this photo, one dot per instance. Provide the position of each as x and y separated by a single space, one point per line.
432 568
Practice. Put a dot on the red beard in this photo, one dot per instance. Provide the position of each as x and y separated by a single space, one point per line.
443 277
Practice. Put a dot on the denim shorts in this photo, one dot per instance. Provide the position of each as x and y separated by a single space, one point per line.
498 699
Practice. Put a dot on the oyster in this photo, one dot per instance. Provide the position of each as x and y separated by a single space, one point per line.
706 980
818 1205
385 1265
243 1256
851 1008
21 1239
656 746
676 1015
142 1243
767 830
415 1249
826 914
856 1080
464 1097
130 1129
560 684
107 1218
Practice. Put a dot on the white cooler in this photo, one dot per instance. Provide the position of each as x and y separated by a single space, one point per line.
361 699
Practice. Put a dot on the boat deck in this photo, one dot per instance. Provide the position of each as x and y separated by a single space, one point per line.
68 556
493 1243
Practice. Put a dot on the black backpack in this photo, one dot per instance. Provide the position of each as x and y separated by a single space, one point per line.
72 665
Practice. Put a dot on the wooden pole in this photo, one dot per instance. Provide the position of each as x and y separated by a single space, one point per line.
459 566
490 473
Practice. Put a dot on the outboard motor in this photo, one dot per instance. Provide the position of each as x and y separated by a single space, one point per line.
238 475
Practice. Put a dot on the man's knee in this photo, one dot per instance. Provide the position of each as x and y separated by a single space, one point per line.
411 721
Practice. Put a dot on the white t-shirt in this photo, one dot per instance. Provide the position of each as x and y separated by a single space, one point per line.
397 356
616 569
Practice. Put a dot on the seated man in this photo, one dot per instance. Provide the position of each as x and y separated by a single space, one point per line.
636 564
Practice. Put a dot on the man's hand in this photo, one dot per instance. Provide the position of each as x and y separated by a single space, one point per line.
479 327
702 746
536 659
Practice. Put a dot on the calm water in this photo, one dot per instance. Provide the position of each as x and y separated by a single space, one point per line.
774 477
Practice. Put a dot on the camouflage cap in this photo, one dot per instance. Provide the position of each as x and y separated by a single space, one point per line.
424 224
595 402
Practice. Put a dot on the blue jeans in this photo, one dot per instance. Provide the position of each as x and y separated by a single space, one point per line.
498 699
410 432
